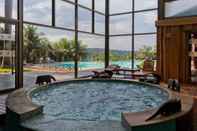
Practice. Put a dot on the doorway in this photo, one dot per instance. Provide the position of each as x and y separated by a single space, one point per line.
193 57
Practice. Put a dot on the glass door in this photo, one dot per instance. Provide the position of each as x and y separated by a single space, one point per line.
7 56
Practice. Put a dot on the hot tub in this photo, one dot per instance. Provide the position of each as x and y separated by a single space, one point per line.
86 104
97 100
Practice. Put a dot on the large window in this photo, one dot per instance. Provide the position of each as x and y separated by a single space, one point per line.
52 28
85 20
133 32
47 51
145 4
99 23
86 3
38 11
8 8
100 5
119 6
181 8
65 14
120 51
145 48
91 50
121 24
145 22
50 45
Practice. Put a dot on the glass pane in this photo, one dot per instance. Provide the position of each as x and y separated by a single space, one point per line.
8 8
99 23
65 14
100 5
47 52
145 4
91 52
85 20
120 51
145 48
38 11
121 24
118 6
145 22
86 3
7 56
181 8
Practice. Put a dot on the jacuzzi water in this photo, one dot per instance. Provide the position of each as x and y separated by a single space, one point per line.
97 100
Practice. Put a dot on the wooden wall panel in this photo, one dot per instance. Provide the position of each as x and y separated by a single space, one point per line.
172 47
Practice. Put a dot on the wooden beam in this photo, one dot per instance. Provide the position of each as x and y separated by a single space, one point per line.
177 21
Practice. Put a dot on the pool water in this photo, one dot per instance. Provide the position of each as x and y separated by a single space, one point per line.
92 65
82 65
97 100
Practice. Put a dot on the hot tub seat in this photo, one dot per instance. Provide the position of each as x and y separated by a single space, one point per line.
19 107
181 121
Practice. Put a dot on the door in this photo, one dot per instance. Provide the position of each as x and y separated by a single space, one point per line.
192 41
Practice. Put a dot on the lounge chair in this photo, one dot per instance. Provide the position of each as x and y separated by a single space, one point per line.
114 68
102 74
